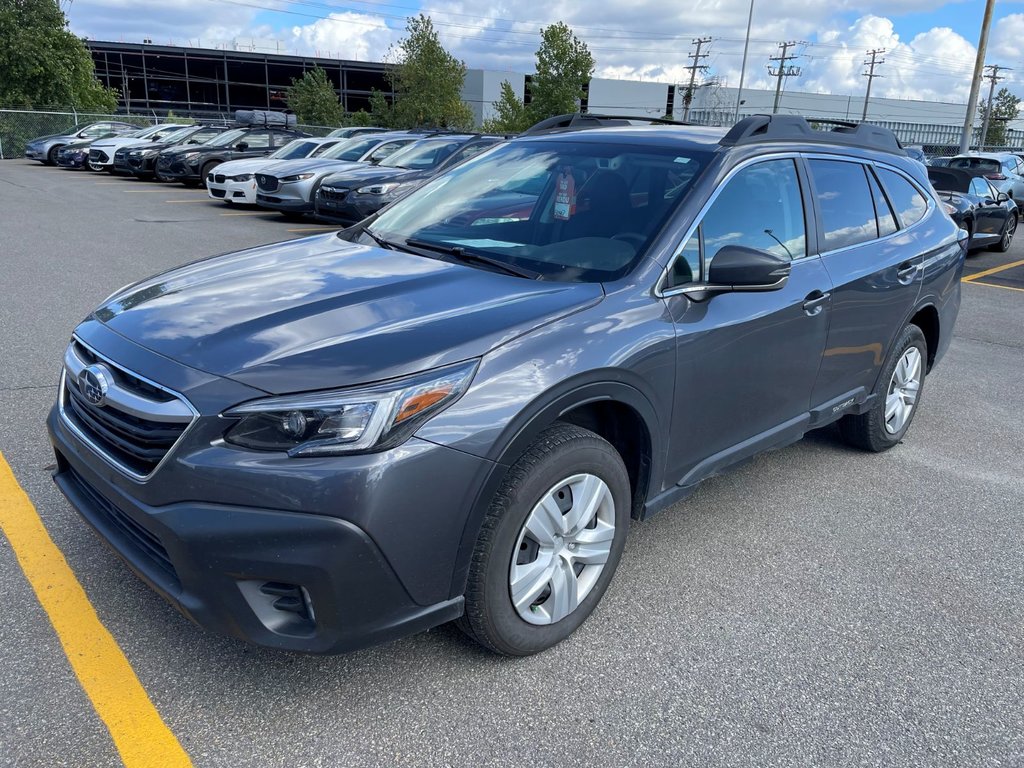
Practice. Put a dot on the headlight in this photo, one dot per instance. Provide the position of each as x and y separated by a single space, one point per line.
378 189
145 153
241 177
347 420
949 209
190 157
298 177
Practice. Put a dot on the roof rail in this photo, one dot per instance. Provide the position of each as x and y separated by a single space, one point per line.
579 120
760 128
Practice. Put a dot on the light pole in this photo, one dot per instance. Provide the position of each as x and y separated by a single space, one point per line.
743 66
979 68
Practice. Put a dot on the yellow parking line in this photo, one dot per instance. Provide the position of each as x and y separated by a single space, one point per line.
987 272
106 676
994 285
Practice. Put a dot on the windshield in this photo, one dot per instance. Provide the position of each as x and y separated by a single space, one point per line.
353 149
571 211
167 133
295 149
226 138
422 155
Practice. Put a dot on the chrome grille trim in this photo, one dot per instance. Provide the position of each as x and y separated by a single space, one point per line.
172 407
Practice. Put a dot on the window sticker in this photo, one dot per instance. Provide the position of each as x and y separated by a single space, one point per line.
565 195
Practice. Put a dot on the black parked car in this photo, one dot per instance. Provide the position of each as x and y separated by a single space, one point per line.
452 409
989 216
140 160
353 195
76 154
191 164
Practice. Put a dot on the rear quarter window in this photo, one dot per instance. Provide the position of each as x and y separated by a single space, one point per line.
910 205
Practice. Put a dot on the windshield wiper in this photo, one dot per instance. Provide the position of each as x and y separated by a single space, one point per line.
387 243
462 254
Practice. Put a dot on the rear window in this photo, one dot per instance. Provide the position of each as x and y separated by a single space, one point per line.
982 164
844 203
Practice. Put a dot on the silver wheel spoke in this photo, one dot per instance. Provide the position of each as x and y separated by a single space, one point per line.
545 522
892 404
587 496
529 580
564 591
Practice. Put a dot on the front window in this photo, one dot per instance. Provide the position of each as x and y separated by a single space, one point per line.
760 207
570 211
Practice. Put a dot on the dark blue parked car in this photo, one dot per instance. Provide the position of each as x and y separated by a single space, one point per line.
453 409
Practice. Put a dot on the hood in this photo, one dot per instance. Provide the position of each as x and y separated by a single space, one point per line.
246 165
180 149
116 143
41 139
369 175
281 168
320 313
80 144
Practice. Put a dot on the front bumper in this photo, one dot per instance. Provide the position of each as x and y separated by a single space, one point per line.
232 191
72 161
362 549
178 170
276 202
33 153
350 209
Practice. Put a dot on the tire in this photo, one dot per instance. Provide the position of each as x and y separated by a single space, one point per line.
97 169
1006 240
876 430
51 156
564 459
158 176
206 172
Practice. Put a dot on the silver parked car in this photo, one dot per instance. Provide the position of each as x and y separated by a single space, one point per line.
1003 169
45 148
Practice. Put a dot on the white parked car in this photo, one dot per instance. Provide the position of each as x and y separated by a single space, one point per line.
235 181
1004 170
101 153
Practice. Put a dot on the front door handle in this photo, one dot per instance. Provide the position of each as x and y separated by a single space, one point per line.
815 302
905 273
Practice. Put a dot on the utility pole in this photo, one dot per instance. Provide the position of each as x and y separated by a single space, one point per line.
979 67
743 66
783 70
870 75
993 78
694 68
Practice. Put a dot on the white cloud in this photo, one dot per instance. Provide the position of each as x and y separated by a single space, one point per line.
344 36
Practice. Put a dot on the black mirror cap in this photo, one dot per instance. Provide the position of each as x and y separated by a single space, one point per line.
743 268
242 146
1003 198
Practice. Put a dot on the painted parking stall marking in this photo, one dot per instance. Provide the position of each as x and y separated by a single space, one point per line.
142 738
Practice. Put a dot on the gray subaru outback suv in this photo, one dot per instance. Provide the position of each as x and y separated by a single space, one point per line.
452 410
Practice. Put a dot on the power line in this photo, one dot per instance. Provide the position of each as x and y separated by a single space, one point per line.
870 75
783 70
993 77
696 57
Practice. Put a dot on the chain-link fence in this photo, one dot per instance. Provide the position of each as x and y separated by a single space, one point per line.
20 126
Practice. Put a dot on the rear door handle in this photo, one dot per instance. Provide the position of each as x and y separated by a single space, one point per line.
815 302
905 274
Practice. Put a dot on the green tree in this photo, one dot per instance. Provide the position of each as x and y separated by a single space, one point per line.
381 113
1005 107
564 66
313 99
510 116
427 81
42 64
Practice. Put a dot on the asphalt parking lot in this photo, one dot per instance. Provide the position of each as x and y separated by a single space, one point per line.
817 607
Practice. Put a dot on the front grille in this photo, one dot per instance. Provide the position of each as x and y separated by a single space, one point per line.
267 183
138 424
121 155
333 193
136 162
163 163
148 543
220 178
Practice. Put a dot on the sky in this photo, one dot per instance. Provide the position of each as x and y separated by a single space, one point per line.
929 44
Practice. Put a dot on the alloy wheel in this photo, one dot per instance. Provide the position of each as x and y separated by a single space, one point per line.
903 389
1011 229
562 548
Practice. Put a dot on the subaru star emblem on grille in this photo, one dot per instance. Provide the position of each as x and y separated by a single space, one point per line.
94 382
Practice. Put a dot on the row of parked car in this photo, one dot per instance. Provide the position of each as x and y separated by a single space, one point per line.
343 177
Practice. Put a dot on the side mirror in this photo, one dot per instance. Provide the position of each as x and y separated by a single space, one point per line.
738 268
242 146
1003 198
